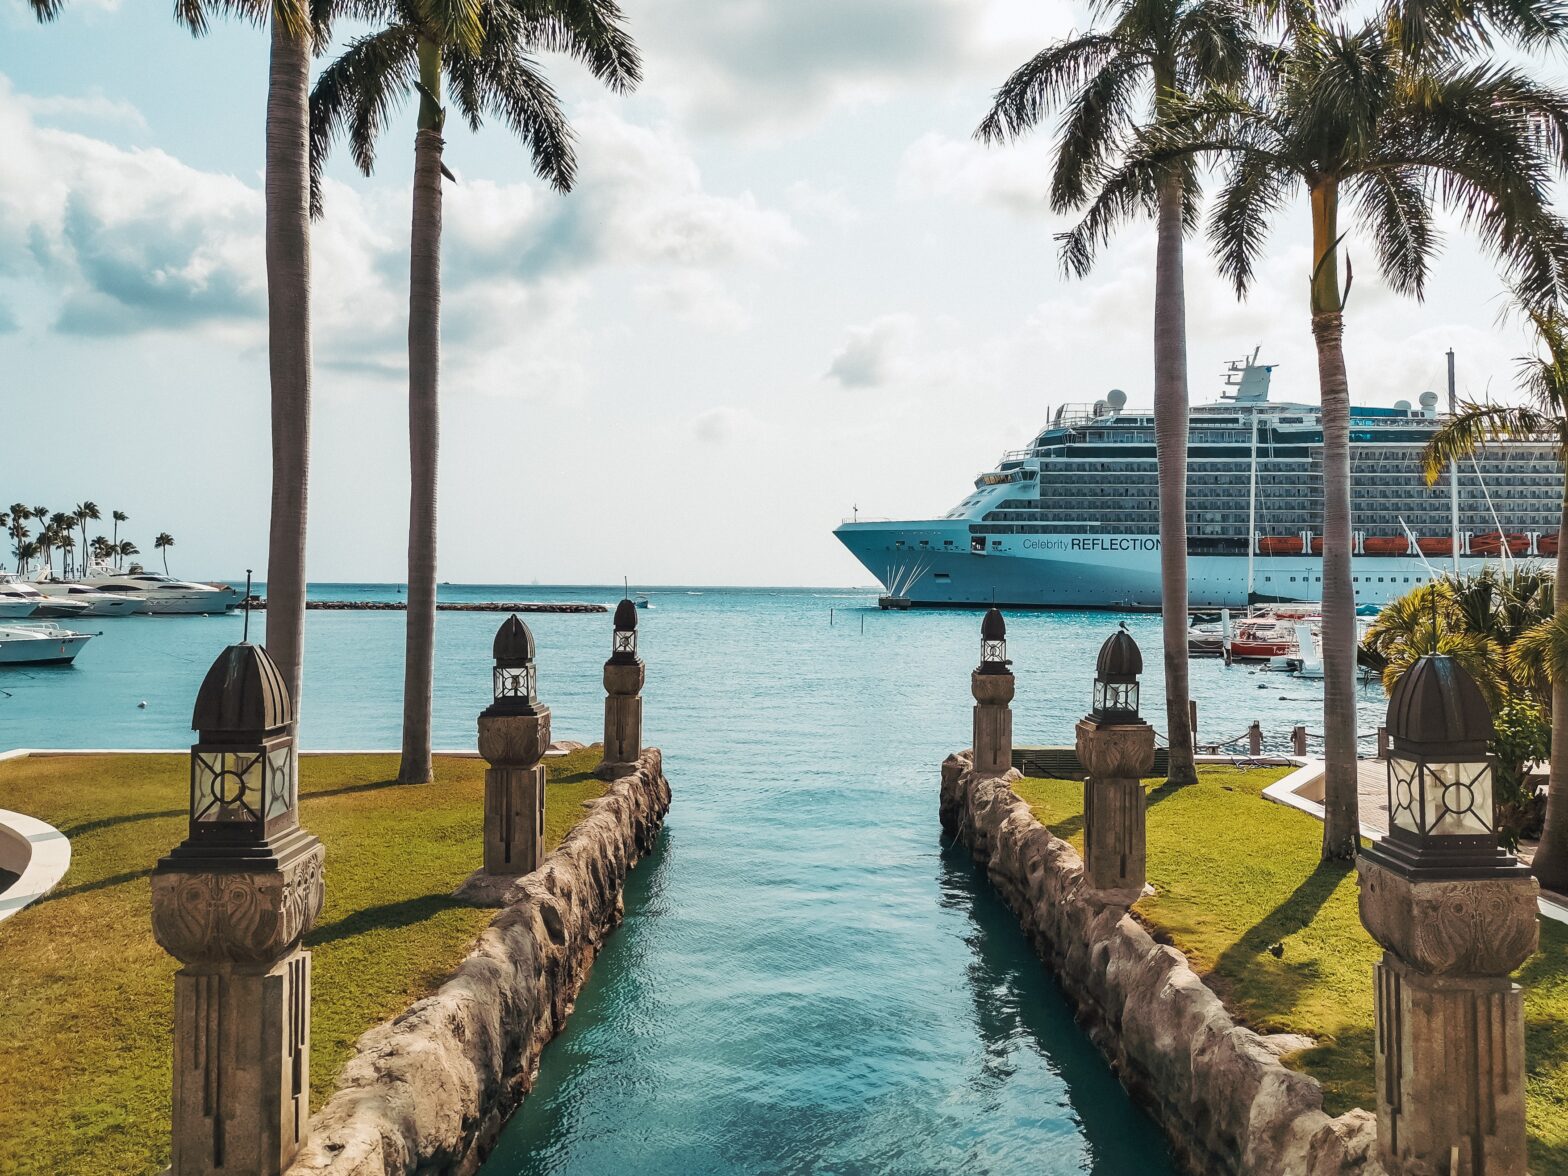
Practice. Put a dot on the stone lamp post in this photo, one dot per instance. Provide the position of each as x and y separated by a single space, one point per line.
1116 748
1455 916
991 683
624 674
514 734
231 903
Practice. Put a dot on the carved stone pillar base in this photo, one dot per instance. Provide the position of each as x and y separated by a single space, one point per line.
993 739
1113 837
1450 1072
241 1068
622 736
514 819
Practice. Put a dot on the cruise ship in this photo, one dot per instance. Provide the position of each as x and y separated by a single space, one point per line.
1072 521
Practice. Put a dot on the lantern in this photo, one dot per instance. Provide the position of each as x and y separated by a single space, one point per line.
516 680
1442 818
623 645
993 644
244 775
1116 679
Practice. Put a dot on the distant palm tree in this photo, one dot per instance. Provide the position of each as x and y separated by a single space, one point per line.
484 49
1109 82
124 549
1350 114
119 517
66 541
85 512
25 554
1544 646
162 543
60 523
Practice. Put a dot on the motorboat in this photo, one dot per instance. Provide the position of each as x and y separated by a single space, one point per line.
43 644
99 603
164 594
17 591
15 604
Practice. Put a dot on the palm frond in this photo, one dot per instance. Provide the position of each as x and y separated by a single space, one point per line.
592 32
512 88
46 10
1097 122
1128 192
1254 190
356 95
1044 81
1472 427
1397 213
1541 651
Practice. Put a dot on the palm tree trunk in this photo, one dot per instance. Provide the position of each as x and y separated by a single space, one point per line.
1170 447
1550 866
1341 821
288 346
424 422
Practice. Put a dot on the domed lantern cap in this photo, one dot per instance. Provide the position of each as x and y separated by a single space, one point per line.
243 693
1436 710
514 643
993 627
1120 658
626 616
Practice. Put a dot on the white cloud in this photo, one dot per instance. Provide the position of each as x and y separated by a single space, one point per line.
874 354
830 205
695 296
722 424
1016 177
93 106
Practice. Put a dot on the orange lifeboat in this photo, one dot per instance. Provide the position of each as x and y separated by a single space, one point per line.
1317 545
1492 544
1385 545
1435 546
1280 545
1546 545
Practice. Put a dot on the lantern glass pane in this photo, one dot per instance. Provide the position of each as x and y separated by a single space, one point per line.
514 682
1404 794
1099 695
282 781
1459 798
625 641
226 786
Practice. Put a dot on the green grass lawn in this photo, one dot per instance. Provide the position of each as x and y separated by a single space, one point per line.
86 996
1236 874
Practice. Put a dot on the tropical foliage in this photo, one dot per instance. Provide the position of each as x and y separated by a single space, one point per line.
54 533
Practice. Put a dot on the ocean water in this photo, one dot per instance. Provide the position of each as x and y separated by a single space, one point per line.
806 980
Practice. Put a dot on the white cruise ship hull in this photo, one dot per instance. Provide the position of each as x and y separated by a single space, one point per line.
933 566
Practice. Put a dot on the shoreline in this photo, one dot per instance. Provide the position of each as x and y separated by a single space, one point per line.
494 606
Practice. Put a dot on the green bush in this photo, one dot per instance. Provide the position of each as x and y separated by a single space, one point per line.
1521 735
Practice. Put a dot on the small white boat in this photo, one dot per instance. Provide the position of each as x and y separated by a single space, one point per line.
98 602
43 644
15 590
165 594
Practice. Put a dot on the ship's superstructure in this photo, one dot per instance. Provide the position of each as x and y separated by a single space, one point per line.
1073 519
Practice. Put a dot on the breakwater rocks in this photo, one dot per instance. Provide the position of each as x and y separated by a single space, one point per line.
1219 1090
470 606
429 1091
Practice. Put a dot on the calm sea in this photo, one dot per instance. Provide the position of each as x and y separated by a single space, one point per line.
806 980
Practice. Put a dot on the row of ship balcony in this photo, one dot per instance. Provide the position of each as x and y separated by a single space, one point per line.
1487 543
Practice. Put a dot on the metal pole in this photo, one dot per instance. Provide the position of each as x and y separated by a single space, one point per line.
1252 509
1453 469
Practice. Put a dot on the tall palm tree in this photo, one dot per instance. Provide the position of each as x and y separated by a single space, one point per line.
1107 83
124 549
297 28
1349 114
1544 379
484 50
162 543
60 523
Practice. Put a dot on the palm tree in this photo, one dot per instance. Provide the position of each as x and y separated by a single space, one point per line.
85 511
1349 114
162 543
25 553
124 549
483 48
297 28
1107 83
119 517
1544 646
66 541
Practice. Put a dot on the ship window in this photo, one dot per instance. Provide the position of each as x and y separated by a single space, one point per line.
977 544
942 577
947 543
996 543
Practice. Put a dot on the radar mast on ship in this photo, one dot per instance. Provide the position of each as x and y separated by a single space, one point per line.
1250 379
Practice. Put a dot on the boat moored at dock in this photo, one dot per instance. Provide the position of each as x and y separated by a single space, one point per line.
42 644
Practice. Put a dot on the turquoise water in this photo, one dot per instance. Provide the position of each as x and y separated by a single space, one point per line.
806 980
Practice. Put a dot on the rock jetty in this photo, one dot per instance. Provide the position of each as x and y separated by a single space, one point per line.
490 606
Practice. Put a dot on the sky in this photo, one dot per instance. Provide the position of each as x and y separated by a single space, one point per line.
788 284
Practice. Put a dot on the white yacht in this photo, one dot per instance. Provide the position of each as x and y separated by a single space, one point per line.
99 603
40 645
18 592
164 594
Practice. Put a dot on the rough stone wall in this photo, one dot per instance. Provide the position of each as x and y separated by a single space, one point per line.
1220 1092
429 1091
